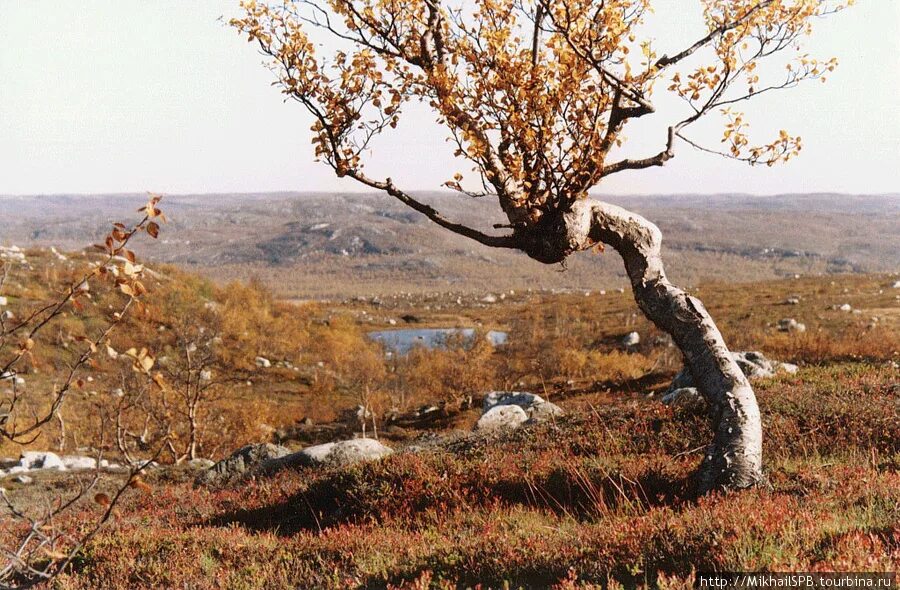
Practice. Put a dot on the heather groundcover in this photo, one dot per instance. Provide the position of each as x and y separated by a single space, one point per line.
601 498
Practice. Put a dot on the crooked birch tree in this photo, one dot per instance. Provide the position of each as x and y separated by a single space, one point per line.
536 96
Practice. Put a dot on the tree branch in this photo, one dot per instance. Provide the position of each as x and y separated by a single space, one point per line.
666 61
432 214
657 160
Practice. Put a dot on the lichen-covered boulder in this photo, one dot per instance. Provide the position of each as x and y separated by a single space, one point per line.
536 408
240 463
753 364
340 453
502 417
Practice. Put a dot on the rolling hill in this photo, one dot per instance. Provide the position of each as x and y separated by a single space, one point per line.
370 243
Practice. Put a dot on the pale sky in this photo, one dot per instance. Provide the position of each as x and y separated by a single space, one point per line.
123 96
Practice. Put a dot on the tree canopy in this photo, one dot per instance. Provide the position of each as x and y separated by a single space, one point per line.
535 94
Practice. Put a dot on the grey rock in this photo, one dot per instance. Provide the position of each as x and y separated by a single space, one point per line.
23 479
543 412
243 461
354 451
201 463
790 325
502 417
753 364
683 396
509 398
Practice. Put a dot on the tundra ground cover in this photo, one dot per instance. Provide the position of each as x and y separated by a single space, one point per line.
601 496
598 497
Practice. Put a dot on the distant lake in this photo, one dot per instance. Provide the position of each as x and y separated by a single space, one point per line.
402 341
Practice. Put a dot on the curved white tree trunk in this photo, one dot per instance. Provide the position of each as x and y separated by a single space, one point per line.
734 458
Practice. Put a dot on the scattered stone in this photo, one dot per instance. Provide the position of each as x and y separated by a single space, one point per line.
504 417
845 307
263 363
790 325
241 462
792 301
631 339
754 365
686 396
489 299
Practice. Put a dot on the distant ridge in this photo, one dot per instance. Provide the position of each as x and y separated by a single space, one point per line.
312 244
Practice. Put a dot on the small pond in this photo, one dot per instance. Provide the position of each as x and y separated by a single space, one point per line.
402 341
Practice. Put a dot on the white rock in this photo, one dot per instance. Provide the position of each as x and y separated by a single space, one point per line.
263 362
896 285
79 462
489 299
4 301
502 418
631 339
845 307
23 479
32 460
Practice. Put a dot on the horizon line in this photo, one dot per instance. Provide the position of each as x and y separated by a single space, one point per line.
426 191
